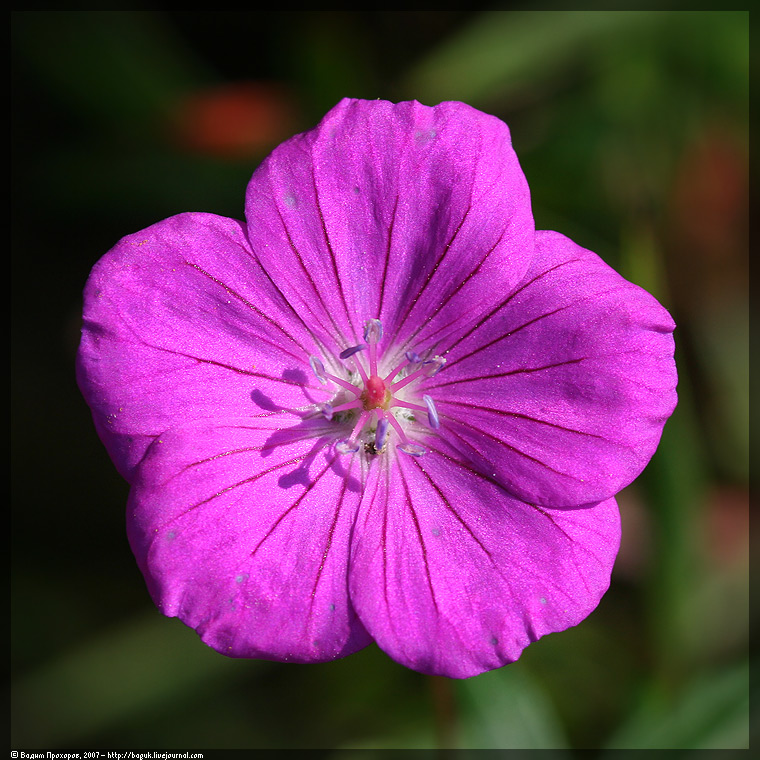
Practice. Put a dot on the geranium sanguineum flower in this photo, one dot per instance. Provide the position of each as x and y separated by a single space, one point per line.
383 408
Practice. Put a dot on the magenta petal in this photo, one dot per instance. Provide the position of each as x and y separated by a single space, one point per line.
389 210
453 576
241 528
562 391
181 324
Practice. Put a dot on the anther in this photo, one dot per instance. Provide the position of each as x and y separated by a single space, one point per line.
413 449
319 369
347 447
348 352
374 395
432 412
373 331
381 434
433 366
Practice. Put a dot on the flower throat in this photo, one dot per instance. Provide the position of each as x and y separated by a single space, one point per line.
376 396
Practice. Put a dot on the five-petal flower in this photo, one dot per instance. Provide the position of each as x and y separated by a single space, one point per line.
383 408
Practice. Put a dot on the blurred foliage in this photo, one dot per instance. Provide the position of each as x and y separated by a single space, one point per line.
632 128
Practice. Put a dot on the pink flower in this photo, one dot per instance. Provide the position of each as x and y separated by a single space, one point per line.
383 408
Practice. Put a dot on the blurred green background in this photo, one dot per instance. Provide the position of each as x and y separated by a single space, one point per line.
632 128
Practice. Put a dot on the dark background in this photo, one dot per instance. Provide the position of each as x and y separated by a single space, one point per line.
632 129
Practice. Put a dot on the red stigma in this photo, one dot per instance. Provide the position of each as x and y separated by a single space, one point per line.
375 393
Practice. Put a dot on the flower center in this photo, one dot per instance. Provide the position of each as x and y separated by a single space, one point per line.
376 395
377 402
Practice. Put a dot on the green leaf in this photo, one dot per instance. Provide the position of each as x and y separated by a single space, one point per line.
115 678
710 712
503 52
507 709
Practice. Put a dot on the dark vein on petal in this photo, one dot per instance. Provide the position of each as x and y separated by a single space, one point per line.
330 534
505 335
444 301
451 509
330 250
500 487
572 542
551 519
284 299
313 285
385 542
521 371
384 278
295 503
508 446
242 450
237 370
519 415
527 569
542 316
419 536
292 309
432 272
251 306
466 466
234 486
488 480
514 293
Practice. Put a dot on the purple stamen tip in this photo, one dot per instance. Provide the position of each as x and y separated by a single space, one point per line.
434 365
327 410
433 419
319 369
346 446
381 434
373 331
351 351
412 357
413 449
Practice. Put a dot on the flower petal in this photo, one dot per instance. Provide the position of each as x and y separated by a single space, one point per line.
180 323
388 210
453 576
562 391
241 528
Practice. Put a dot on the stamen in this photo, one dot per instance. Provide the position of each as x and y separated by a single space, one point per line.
351 445
355 404
432 412
375 396
381 433
409 405
428 369
344 383
395 372
373 331
407 446
318 369
434 365
348 352
406 380
413 449
363 417
360 369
